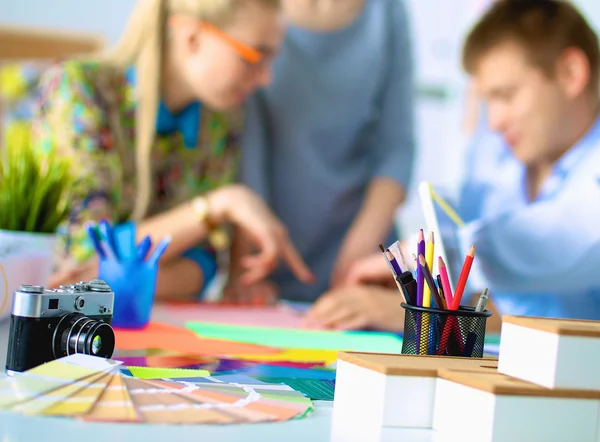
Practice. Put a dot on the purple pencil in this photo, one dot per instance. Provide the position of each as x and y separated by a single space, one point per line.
420 275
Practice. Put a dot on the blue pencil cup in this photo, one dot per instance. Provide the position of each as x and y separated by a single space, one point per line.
134 285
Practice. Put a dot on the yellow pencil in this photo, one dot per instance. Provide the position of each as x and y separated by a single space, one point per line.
429 249
429 252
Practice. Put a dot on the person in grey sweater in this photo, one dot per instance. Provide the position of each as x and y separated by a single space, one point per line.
330 143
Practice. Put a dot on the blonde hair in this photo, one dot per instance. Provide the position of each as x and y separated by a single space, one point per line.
142 45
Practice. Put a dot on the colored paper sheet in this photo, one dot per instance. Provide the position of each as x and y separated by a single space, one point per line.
239 379
159 373
166 361
266 316
285 372
304 355
296 306
377 342
178 339
315 389
491 347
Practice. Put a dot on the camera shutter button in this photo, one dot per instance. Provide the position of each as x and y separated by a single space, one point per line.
32 288
97 285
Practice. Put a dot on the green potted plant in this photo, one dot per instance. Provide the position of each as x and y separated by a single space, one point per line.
34 196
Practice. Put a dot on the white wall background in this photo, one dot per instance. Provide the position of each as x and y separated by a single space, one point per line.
438 28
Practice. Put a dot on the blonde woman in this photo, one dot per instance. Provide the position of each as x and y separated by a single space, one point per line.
152 126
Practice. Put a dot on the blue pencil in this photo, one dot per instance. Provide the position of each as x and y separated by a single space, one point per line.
106 230
159 250
143 248
93 234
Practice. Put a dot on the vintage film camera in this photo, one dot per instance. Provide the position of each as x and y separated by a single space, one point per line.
49 324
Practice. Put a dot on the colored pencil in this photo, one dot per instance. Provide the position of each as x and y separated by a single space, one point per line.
442 293
392 271
445 281
429 260
430 282
462 281
420 276
387 260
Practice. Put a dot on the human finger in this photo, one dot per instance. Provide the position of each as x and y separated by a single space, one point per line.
329 310
356 321
295 262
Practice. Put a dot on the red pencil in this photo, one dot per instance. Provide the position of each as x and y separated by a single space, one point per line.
462 281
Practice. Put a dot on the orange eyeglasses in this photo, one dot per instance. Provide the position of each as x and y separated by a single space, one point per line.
246 52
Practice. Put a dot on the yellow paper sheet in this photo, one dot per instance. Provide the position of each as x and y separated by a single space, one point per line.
296 355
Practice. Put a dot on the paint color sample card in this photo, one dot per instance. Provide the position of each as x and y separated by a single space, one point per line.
114 404
52 376
90 388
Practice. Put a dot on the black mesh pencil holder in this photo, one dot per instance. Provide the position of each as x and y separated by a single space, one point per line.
430 331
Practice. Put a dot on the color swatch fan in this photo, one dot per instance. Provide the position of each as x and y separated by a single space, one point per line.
91 388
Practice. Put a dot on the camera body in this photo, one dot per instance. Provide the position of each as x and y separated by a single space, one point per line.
49 324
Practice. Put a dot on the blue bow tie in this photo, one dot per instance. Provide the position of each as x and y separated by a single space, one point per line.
187 122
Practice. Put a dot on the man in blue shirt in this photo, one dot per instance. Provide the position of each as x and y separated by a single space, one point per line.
531 195
531 198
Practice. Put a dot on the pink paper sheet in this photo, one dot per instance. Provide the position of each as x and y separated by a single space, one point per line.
262 316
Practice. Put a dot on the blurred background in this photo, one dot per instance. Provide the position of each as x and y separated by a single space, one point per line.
438 27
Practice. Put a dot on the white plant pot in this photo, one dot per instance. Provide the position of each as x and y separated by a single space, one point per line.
26 258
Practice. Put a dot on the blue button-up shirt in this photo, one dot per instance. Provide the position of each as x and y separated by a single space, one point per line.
541 257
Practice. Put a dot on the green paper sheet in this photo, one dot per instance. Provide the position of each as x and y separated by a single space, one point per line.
169 373
315 389
376 342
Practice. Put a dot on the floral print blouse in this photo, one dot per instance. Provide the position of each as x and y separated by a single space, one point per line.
79 109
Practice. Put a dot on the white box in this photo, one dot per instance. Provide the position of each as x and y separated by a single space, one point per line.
383 390
21 268
553 353
491 407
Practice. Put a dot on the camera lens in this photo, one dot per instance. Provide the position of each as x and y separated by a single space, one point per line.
76 333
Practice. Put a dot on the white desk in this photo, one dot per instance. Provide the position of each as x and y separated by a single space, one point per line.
314 428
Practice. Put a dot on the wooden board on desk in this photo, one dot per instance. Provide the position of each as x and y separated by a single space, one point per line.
564 327
415 365
500 384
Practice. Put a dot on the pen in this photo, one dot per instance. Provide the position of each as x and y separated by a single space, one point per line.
409 287
483 299
397 252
